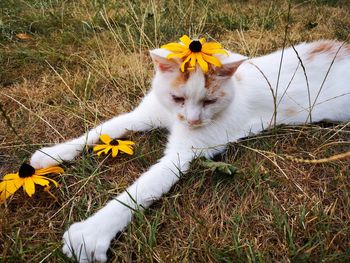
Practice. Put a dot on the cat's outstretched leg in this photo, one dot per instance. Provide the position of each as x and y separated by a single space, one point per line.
147 115
89 240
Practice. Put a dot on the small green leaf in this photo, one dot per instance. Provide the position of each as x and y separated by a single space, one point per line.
222 167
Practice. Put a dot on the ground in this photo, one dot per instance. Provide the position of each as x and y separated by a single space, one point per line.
66 66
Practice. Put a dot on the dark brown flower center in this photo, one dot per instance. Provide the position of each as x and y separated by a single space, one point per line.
195 46
114 142
26 170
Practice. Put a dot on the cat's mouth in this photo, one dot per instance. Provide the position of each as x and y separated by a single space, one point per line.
197 125
194 126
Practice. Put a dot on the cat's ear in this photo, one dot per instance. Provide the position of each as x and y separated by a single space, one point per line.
163 64
227 70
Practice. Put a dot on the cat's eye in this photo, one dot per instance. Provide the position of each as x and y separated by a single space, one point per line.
179 100
208 102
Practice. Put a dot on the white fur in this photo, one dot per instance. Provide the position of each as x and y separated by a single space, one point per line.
248 106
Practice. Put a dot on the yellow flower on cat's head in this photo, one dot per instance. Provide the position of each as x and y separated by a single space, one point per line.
193 51
113 145
26 177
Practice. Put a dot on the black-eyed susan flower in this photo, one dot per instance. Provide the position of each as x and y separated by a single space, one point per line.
27 177
197 50
113 145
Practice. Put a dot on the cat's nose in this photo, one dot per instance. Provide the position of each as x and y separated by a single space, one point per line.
194 122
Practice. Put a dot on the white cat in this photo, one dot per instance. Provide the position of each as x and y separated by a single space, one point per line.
204 112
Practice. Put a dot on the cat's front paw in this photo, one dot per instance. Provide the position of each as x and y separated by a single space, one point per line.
54 155
86 242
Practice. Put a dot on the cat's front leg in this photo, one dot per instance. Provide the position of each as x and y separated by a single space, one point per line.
89 240
147 115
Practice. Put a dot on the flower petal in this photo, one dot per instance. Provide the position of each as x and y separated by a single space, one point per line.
202 63
3 196
126 149
115 151
212 60
186 40
215 51
126 142
49 170
193 60
8 188
29 186
108 149
10 177
99 147
184 63
2 185
105 138
211 45
105 151
202 40
179 55
174 47
11 186
40 181
99 153
45 178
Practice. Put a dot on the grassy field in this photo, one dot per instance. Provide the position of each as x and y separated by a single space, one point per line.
66 66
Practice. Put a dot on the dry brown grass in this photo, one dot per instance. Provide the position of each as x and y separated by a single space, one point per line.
87 62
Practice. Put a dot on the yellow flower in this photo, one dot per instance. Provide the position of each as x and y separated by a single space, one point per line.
114 145
192 51
26 177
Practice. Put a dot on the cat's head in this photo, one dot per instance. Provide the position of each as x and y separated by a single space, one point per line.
195 97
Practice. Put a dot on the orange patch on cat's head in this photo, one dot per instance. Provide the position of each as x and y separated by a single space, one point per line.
216 75
180 80
211 84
